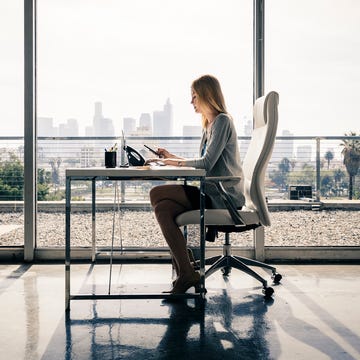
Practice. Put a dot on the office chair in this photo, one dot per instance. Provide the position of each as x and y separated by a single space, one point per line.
255 212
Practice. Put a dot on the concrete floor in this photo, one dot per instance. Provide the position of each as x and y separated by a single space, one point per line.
314 314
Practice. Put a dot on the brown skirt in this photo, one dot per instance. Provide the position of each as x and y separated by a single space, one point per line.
193 194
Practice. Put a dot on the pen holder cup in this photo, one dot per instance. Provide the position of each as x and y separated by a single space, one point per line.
110 159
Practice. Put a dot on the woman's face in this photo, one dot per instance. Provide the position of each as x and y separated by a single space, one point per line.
195 102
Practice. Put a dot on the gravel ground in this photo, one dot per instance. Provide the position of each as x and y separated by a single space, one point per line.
139 228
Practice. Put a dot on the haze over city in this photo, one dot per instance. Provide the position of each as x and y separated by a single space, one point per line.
133 56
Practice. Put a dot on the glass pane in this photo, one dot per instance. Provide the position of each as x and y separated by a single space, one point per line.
12 123
312 60
128 65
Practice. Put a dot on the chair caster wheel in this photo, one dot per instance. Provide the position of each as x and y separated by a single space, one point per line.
268 291
226 270
276 278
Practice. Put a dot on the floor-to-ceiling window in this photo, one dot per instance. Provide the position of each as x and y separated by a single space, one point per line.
312 57
103 69
128 65
11 123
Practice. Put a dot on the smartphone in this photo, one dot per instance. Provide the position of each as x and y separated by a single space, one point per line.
152 150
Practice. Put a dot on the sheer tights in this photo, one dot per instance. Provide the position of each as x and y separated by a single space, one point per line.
168 202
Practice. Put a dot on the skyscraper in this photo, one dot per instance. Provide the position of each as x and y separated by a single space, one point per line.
303 153
284 148
45 127
163 120
70 128
102 126
191 147
129 125
145 123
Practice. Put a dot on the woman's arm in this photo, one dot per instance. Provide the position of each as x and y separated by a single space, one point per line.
167 158
164 154
220 134
174 161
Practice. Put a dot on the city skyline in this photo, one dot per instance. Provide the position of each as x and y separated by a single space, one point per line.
314 64
143 126
160 123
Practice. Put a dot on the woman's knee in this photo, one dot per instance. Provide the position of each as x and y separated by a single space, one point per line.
152 194
162 192
168 209
155 194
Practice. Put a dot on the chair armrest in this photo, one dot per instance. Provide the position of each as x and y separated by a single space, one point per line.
231 207
221 178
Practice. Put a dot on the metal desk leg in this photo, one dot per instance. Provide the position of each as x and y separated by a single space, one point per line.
93 220
202 238
67 243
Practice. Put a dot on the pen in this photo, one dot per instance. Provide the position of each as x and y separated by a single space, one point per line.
112 149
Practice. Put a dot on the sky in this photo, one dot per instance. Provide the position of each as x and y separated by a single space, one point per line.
134 55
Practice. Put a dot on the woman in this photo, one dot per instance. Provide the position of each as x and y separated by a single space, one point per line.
219 156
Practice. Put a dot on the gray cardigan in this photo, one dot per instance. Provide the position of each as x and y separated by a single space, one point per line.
221 158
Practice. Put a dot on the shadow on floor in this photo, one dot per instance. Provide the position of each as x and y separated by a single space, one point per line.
154 329
235 323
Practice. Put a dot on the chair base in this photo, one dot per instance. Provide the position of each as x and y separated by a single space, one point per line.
227 262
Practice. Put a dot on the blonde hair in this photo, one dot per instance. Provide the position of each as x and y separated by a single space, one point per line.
209 93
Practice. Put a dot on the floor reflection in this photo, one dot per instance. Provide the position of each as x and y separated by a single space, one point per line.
155 329
32 317
15 275
312 316
28 286
237 322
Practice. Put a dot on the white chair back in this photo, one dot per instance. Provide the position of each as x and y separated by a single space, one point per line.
258 154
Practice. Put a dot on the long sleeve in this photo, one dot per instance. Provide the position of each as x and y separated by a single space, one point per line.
221 158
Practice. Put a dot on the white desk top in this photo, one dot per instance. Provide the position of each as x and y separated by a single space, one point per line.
135 171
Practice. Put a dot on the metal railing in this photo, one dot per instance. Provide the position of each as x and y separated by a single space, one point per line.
296 161
314 161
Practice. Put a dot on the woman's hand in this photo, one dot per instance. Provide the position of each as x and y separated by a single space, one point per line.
151 160
164 154
169 161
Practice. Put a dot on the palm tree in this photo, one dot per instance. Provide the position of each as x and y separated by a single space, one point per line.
351 153
285 165
329 155
55 165
338 177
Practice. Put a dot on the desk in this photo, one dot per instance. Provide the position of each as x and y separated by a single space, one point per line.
131 173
